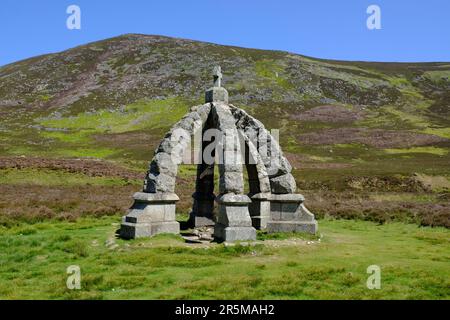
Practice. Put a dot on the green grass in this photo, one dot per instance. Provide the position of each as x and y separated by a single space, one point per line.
441 132
430 150
69 137
438 76
56 178
86 152
273 71
137 116
395 118
74 136
414 264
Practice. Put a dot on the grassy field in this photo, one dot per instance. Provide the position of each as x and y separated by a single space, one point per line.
369 144
413 260
55 213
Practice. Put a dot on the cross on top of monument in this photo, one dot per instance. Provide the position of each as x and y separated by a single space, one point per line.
217 73
217 93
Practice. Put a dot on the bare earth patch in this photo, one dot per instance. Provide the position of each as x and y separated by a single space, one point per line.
377 138
332 114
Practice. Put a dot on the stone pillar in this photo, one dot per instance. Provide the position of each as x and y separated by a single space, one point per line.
233 219
203 209
259 209
288 214
202 213
151 213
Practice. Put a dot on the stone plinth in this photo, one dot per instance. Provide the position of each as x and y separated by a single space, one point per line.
288 214
233 219
259 210
216 94
203 210
150 214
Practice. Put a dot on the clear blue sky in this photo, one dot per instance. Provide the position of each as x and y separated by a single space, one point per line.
336 29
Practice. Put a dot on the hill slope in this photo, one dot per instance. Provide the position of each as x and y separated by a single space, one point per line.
122 70
368 141
346 126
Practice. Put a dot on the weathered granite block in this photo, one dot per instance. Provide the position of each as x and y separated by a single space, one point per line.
130 230
275 211
284 184
151 213
231 182
230 234
288 214
293 226
216 94
259 210
233 219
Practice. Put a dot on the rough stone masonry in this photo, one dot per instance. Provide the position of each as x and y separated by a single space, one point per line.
272 203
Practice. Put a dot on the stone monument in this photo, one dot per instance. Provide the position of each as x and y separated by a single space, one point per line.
272 203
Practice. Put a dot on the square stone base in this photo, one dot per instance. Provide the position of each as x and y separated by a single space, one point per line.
150 214
292 226
129 230
230 234
288 214
233 219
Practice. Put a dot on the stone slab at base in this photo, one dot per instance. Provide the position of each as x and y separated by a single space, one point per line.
292 226
130 230
150 214
231 234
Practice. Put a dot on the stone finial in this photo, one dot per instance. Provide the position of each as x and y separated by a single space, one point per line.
217 93
217 73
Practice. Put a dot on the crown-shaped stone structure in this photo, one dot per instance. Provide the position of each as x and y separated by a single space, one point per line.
241 143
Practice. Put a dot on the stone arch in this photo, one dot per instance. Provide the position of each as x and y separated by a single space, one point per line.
203 207
273 202
163 169
257 174
259 185
277 166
